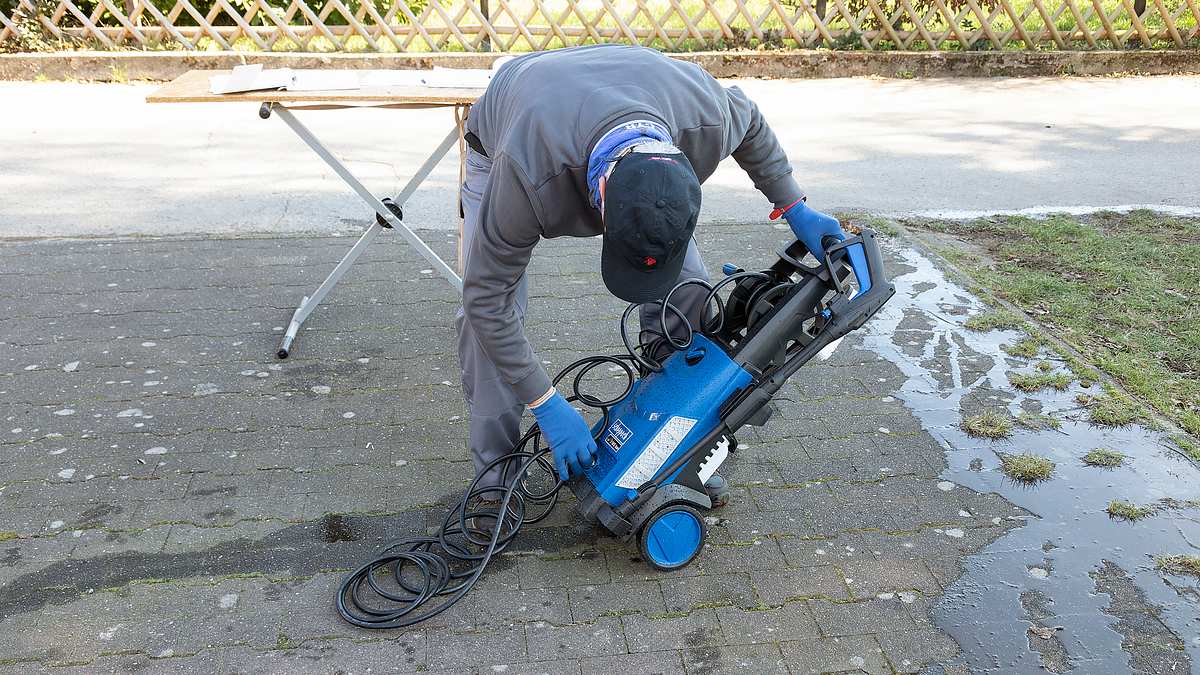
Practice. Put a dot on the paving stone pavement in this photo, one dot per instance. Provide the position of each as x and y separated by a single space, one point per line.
175 499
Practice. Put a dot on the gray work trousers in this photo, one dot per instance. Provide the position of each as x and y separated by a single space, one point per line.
494 412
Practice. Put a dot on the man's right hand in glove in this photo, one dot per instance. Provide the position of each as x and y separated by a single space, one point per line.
568 434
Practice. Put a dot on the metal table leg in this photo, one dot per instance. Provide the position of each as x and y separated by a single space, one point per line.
309 303
388 216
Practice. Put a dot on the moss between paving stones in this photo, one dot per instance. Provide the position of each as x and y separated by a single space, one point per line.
1026 467
1122 510
1103 457
989 424
1179 564
283 641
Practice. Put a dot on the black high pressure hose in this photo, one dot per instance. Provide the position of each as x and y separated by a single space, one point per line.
394 589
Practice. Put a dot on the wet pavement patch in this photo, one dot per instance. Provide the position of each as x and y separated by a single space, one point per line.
334 542
335 528
988 610
1151 645
1043 637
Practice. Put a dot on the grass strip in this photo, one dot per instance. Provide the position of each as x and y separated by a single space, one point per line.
1122 288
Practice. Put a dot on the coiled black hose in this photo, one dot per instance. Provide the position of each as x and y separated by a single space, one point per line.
397 587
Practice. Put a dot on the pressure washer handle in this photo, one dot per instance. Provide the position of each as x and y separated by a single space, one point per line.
843 314
858 259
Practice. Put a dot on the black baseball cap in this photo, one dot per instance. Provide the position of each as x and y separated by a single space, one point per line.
651 203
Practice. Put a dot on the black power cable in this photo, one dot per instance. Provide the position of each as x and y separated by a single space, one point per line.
395 589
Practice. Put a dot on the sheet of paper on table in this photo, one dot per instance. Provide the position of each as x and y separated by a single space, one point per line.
455 78
451 78
325 80
253 77
394 78
250 77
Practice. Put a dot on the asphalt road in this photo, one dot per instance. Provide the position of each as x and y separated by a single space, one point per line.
94 159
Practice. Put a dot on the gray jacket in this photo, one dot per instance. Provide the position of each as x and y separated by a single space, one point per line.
538 121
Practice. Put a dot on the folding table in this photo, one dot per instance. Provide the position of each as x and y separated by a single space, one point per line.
193 87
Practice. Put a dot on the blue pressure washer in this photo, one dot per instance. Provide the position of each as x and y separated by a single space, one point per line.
658 441
662 441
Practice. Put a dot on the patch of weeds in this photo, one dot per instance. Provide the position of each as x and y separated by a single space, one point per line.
1113 409
1026 347
1087 376
6 536
1026 467
881 225
1037 422
285 642
1122 510
989 424
1179 564
995 320
118 75
1045 366
1029 383
1185 443
1104 457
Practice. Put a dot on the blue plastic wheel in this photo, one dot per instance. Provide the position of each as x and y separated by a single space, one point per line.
672 537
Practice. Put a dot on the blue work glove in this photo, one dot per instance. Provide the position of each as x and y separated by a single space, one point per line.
811 226
568 434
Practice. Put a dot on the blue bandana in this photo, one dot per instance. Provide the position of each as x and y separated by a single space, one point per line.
612 144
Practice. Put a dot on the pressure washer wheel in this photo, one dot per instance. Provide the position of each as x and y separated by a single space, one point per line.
672 537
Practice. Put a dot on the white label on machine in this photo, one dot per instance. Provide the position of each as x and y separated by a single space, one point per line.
714 460
657 452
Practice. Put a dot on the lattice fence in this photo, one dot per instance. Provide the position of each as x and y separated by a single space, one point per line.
524 25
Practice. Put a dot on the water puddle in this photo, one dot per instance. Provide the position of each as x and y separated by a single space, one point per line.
1046 587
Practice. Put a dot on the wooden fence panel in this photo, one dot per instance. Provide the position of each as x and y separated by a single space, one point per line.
526 25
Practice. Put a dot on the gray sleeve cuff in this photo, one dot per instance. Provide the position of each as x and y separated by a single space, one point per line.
533 385
783 191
